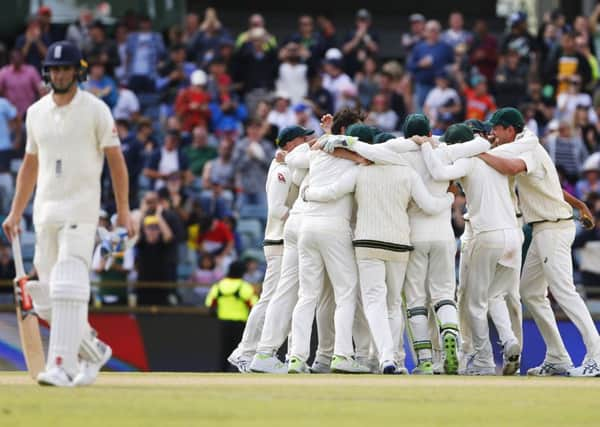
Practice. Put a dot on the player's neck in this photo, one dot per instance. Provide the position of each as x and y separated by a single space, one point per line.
62 99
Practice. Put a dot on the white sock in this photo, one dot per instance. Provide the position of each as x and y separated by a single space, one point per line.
69 319
448 317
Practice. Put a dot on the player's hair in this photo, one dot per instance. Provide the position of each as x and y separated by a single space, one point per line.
344 118
237 269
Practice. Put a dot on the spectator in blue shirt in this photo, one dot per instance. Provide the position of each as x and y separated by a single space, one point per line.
145 49
8 121
428 57
167 160
101 85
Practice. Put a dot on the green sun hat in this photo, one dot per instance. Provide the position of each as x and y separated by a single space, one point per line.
291 132
416 124
457 133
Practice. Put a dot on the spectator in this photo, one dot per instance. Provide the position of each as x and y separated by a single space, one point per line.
585 128
191 26
543 104
206 45
127 106
8 122
20 83
335 81
79 32
101 85
192 103
255 21
179 202
311 45
583 47
144 137
327 31
566 63
152 249
174 74
132 148
428 57
519 38
53 32
207 273
479 103
172 215
567 150
145 49
306 118
121 35
416 34
231 299
226 106
102 48
381 115
7 273
199 152
281 115
574 96
254 275
174 36
456 34
595 28
216 238
361 42
256 64
442 98
390 85
293 73
33 44
167 160
511 81
216 69
590 183
484 50
321 98
366 82
587 244
268 131
218 177
252 158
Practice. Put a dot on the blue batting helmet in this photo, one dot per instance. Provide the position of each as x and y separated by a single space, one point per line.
64 53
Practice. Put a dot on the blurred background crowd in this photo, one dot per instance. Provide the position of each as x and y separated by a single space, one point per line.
198 107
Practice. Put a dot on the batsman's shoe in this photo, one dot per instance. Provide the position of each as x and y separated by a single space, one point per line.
389 367
589 368
475 370
319 367
347 365
297 366
240 362
265 363
424 367
511 357
548 369
88 370
450 355
55 376
401 370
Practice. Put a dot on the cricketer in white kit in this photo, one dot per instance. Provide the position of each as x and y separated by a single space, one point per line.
281 194
494 255
381 243
69 132
548 264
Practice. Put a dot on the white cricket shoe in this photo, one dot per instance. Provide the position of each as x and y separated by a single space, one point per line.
347 365
267 364
512 357
240 362
401 370
55 376
319 367
589 368
548 369
88 369
297 366
473 370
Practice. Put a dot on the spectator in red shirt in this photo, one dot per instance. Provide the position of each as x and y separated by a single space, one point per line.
479 103
484 51
216 238
192 103
20 83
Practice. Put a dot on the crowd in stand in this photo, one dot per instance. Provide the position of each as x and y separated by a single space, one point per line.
198 109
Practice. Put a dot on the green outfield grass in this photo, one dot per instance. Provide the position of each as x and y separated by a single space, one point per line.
317 400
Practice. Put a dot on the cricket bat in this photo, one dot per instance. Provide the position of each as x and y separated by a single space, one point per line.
29 329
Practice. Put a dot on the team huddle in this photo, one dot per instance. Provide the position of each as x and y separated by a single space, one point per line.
359 236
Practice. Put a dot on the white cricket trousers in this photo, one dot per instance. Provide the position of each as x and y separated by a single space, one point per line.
548 266
325 243
381 291
487 276
256 319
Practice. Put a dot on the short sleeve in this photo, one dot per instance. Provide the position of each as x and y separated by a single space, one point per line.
533 165
31 147
106 130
